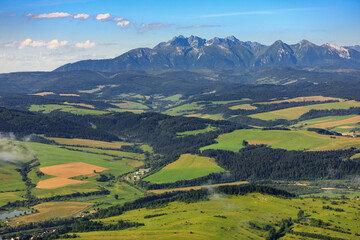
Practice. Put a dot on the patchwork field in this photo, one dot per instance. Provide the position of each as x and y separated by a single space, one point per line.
229 217
187 167
52 155
48 108
290 140
52 210
295 112
336 123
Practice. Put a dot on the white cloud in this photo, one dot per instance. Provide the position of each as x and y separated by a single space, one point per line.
49 15
82 16
53 44
116 19
105 16
25 43
123 23
153 25
86 44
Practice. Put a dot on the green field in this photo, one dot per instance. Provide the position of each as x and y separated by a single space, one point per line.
173 98
186 167
295 112
228 217
184 109
120 154
243 107
130 105
209 128
6 197
289 140
48 108
12 155
52 210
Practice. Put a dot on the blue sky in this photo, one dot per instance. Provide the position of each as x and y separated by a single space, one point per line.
41 35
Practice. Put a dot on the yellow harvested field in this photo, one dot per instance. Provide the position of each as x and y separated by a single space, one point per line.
51 210
69 170
80 104
352 120
88 142
42 93
305 99
57 182
196 187
345 127
65 171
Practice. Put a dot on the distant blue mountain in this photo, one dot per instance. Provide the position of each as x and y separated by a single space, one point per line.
222 53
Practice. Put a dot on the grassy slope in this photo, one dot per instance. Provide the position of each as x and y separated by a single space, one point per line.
186 167
198 221
296 112
120 154
290 140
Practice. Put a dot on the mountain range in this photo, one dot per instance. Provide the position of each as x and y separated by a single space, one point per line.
222 53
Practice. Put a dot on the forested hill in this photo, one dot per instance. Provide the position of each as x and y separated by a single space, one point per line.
24 123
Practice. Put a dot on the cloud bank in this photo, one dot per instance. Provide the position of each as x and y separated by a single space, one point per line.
53 44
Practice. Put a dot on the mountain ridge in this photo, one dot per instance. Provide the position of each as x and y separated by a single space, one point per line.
221 53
